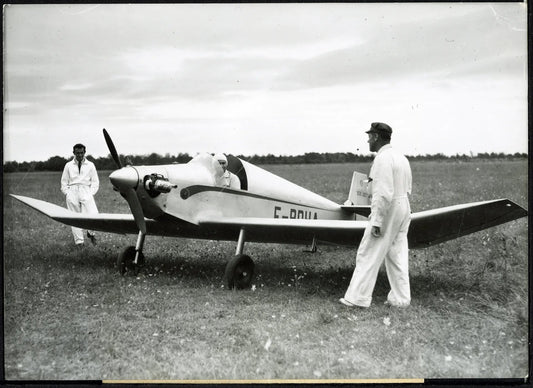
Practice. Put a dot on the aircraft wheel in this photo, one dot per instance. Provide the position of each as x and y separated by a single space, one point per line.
125 261
239 272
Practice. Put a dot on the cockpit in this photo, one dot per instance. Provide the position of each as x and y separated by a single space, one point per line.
234 165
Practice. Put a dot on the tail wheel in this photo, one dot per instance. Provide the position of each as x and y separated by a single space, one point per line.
239 272
125 261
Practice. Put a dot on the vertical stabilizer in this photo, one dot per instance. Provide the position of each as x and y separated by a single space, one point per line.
360 192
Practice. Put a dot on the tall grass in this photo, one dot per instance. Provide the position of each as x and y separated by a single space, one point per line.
69 315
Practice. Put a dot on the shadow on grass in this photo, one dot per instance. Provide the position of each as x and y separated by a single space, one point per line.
204 270
209 269
426 284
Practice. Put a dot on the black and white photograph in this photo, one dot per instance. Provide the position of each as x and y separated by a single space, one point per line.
265 193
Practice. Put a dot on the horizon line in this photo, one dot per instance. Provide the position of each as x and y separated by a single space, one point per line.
469 155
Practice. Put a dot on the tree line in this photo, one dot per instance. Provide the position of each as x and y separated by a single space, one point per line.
56 163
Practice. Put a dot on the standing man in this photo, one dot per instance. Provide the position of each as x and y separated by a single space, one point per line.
385 237
227 179
80 183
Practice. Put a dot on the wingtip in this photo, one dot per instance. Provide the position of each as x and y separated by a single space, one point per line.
521 212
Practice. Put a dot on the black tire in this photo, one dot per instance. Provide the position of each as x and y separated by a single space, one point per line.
125 261
239 272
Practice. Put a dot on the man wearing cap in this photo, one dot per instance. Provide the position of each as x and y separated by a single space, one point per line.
80 183
385 237
227 179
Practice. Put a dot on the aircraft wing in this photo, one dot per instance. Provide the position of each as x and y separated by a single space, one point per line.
257 229
427 227
104 222
434 226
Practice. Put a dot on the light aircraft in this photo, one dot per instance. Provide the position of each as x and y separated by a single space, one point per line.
183 200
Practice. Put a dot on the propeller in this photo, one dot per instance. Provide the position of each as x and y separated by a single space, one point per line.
112 149
126 179
136 209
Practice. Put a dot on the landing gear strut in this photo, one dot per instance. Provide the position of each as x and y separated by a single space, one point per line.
313 248
240 269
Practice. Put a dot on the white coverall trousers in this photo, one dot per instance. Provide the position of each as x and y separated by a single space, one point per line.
80 200
392 247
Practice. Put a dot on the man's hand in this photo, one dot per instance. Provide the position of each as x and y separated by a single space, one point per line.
376 231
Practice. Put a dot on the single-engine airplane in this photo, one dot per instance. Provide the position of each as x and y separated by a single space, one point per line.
183 200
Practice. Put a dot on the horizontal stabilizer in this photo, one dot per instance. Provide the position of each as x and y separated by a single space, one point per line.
362 210
438 225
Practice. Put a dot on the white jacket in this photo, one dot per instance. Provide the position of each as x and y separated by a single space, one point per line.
391 179
86 176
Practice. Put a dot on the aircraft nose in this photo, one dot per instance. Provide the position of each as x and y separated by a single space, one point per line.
125 178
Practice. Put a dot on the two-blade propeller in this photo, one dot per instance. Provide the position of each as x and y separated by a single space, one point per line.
126 180
112 149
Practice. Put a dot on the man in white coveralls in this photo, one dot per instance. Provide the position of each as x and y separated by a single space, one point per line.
80 183
385 237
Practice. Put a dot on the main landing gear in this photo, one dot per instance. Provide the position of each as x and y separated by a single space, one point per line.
131 259
240 268
238 274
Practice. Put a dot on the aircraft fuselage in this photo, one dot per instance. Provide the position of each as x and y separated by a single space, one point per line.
196 195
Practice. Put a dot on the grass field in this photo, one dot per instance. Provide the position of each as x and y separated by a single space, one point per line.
70 315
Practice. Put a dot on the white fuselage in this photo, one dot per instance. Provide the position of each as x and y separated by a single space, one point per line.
197 196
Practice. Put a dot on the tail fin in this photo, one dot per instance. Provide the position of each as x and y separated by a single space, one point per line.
359 190
359 197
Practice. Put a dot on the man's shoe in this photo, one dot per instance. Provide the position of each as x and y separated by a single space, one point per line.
91 237
350 304
399 306
346 303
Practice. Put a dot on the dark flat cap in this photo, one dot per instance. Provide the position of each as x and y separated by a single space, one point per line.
379 128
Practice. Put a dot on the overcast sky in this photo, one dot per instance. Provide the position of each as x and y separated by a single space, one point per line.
264 78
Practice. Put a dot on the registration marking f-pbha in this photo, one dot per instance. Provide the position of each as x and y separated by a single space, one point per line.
294 213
